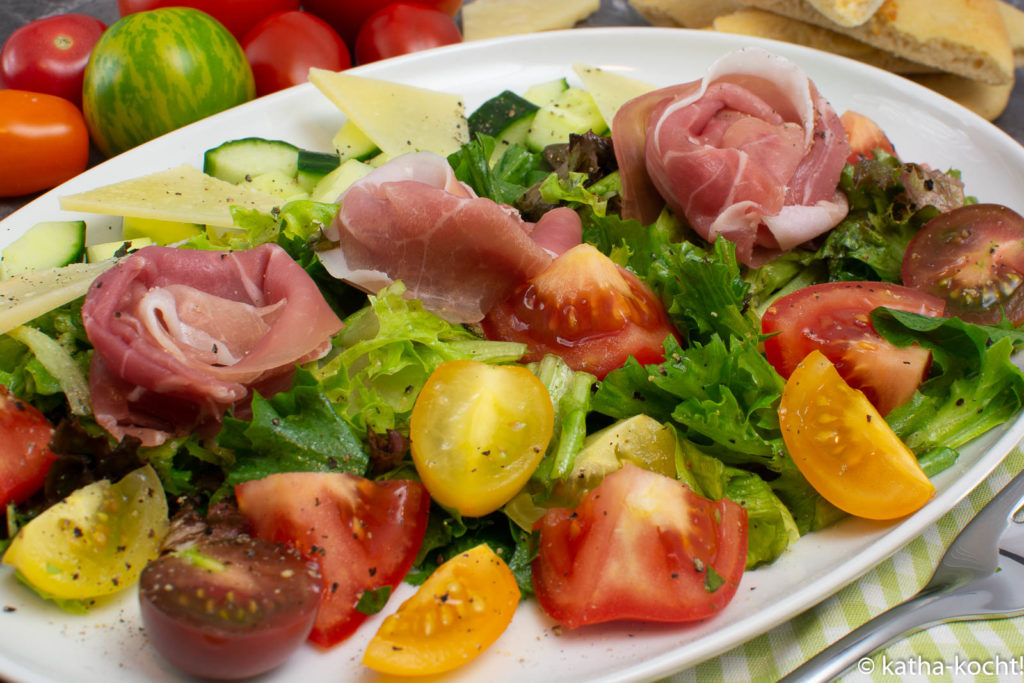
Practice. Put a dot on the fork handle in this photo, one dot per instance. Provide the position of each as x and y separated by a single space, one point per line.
928 607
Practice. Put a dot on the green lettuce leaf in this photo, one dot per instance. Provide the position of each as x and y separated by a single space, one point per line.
293 431
385 354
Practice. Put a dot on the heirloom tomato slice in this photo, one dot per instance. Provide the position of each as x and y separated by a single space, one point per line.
835 318
96 541
364 534
465 605
230 608
640 546
587 309
478 432
844 447
973 257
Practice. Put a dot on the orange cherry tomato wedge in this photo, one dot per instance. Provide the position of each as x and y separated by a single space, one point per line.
465 605
844 447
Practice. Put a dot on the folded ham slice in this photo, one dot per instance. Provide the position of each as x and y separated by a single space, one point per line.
412 220
751 152
181 336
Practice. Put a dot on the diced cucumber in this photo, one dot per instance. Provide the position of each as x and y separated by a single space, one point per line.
277 183
573 111
498 113
338 180
313 166
161 232
507 118
352 143
235 160
44 245
101 252
543 94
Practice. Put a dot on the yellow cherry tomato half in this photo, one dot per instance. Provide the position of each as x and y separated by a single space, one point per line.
844 447
478 432
465 605
96 541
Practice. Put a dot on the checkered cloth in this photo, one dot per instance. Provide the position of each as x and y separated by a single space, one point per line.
984 650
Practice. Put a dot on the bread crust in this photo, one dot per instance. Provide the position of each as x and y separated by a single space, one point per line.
965 37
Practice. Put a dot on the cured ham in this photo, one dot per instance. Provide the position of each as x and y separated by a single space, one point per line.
181 336
412 220
751 152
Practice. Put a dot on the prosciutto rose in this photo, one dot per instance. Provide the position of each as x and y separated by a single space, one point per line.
181 336
412 220
751 152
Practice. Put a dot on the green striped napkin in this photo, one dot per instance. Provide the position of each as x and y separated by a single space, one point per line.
991 650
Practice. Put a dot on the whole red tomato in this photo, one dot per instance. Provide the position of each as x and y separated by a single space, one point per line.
239 16
283 47
347 16
43 142
49 55
404 27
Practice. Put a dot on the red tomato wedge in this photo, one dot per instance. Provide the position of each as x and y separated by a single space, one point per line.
973 257
25 455
640 546
587 309
835 318
364 534
865 137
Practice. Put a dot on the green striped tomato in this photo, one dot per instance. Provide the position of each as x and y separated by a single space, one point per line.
152 72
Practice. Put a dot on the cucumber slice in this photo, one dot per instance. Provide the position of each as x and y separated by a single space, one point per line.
101 252
498 113
277 183
249 157
507 118
46 245
313 166
573 111
544 94
338 180
352 143
161 232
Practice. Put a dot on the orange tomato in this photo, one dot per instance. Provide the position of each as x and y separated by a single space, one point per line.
465 605
844 447
43 142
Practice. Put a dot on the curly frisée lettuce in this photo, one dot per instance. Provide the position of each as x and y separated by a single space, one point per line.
385 353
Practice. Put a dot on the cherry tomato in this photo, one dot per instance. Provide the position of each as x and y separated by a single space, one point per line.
49 55
43 142
478 432
238 16
865 137
844 448
231 608
347 16
587 309
835 318
25 454
973 257
403 27
640 546
96 541
283 47
364 534
465 605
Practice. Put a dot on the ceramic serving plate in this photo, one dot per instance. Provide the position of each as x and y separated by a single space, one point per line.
40 643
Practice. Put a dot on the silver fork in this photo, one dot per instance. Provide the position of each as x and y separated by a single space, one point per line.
981 576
